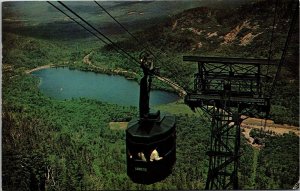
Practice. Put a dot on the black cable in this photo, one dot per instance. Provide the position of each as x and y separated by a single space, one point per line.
148 49
272 36
167 80
120 24
282 60
84 27
77 22
114 45
117 48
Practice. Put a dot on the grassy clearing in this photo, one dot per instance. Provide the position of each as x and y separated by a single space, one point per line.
118 125
177 108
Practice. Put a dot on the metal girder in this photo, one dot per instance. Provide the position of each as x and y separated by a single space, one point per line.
227 88
223 152
229 60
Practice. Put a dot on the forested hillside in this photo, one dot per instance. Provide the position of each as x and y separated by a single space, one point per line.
50 144
244 32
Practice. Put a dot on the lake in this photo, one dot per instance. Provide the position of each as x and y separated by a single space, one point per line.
63 83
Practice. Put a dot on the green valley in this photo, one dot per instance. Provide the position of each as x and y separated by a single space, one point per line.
51 144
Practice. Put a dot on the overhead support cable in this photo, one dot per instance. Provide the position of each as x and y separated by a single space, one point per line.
282 60
103 35
116 47
136 39
78 23
94 34
117 21
148 49
272 36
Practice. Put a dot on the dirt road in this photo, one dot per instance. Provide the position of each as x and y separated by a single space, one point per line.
39 68
254 123
251 123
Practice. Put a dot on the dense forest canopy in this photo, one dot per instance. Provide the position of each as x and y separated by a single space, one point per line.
50 144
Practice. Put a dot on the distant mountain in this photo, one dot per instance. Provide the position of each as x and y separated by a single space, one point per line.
232 31
130 13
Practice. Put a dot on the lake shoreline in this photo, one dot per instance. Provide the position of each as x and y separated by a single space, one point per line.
40 68
64 83
127 74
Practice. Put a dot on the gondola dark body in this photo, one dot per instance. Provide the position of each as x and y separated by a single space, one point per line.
144 136
151 133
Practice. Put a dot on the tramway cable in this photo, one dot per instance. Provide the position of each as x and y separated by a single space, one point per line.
116 48
271 51
134 59
282 59
120 24
123 27
77 22
272 37
284 52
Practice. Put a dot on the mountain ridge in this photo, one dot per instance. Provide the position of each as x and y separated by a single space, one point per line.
243 31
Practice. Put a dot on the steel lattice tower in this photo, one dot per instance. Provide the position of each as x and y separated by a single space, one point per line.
227 89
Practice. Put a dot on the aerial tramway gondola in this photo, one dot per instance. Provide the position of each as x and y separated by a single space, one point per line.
151 138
